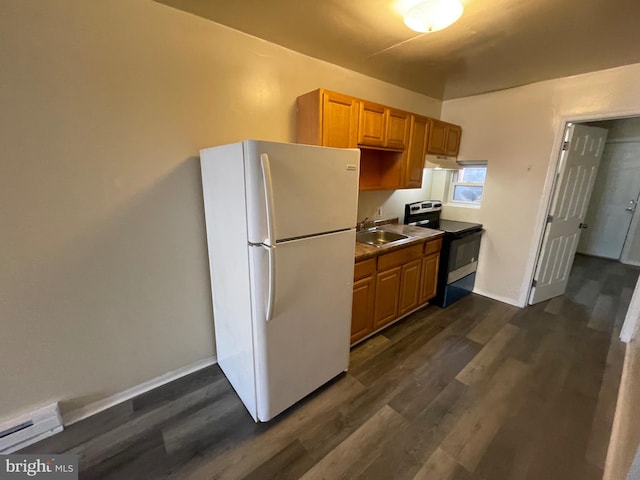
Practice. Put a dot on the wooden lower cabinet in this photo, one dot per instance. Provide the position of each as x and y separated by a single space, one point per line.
391 285
409 287
429 279
362 311
386 302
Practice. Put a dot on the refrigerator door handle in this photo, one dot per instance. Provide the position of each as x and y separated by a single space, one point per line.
268 197
272 282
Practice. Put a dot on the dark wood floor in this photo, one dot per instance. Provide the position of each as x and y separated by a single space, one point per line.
480 390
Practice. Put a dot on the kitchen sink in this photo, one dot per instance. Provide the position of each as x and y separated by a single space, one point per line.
378 238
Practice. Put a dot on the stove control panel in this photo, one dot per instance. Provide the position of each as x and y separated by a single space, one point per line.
424 206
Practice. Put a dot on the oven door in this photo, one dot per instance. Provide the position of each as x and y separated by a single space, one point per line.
463 256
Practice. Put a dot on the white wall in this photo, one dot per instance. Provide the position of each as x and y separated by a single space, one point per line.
392 202
104 107
519 132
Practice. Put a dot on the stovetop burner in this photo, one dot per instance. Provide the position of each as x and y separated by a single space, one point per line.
453 226
426 213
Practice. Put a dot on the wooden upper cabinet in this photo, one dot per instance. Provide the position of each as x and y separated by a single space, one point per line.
444 138
454 133
393 142
416 151
327 118
437 143
371 130
382 127
339 120
397 132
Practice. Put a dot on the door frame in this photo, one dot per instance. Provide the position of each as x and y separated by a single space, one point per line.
632 319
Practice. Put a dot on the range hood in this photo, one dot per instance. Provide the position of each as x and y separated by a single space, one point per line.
441 162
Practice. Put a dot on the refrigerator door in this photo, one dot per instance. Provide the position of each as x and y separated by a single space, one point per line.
306 341
302 189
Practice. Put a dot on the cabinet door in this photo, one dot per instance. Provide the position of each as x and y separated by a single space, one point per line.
386 303
428 282
362 310
397 131
372 124
339 120
414 161
409 287
454 133
437 143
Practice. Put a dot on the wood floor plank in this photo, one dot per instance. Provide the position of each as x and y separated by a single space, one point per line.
121 438
472 434
85 430
368 349
509 454
493 352
143 460
205 426
588 293
289 463
453 353
358 450
440 465
256 444
603 314
554 306
412 447
370 371
492 324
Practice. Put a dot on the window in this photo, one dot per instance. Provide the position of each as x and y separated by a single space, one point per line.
467 184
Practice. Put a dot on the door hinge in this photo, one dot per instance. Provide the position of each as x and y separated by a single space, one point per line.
549 218
534 283
565 145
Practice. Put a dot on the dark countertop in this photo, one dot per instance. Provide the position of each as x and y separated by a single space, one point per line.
416 234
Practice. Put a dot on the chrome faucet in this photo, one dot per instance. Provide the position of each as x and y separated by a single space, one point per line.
360 225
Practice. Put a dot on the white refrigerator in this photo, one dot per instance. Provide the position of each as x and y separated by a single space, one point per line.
281 237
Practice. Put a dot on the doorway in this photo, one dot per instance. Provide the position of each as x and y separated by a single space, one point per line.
611 216
604 228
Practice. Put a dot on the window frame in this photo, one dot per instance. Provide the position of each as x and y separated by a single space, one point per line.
453 182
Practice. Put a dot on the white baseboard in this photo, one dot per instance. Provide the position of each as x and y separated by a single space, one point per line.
96 407
509 301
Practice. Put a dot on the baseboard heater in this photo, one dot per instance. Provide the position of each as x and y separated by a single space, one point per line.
30 428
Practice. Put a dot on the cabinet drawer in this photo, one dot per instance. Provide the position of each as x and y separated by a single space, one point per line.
364 268
399 257
433 246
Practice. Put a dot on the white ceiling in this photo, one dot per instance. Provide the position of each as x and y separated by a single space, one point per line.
497 44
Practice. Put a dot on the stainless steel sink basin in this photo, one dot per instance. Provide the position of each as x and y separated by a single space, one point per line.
378 238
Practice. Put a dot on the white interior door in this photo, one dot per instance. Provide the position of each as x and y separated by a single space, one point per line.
576 176
613 202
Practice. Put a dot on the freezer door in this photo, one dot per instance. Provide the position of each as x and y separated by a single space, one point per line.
311 189
306 341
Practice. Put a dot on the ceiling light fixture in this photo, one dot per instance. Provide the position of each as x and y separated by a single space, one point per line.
433 15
